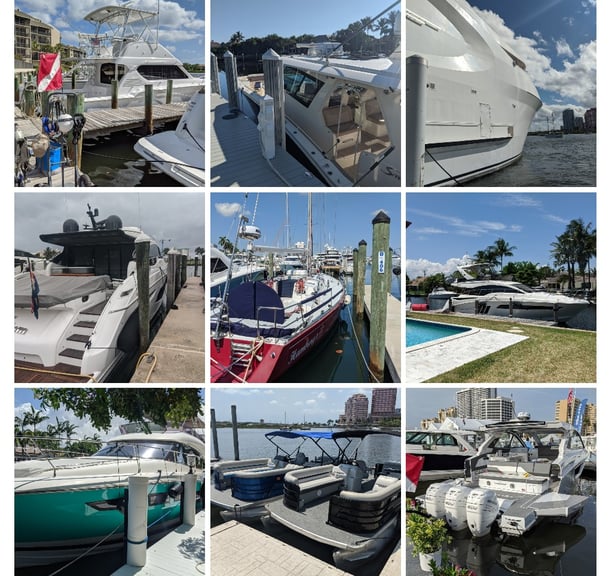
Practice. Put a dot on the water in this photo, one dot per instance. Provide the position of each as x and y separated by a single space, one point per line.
568 161
253 445
420 332
340 357
551 549
111 161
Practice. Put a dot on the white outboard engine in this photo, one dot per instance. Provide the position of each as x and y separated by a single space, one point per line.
482 509
434 498
455 507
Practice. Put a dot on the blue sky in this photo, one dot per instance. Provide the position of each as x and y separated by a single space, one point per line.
557 41
272 404
424 403
181 21
446 226
258 19
339 219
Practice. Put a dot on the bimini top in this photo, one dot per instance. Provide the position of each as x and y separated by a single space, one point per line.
328 434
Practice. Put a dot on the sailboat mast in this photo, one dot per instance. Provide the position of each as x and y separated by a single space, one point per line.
309 247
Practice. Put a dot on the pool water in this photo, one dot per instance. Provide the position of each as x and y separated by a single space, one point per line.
419 332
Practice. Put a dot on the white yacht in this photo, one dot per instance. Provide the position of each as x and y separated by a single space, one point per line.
525 472
77 319
124 47
485 295
220 265
480 100
179 153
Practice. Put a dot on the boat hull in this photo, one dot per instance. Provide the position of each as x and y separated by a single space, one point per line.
273 359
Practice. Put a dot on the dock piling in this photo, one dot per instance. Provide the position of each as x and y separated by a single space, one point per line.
235 433
148 108
142 245
213 431
231 78
359 267
137 521
381 270
114 94
189 498
215 86
169 85
274 84
416 83
173 272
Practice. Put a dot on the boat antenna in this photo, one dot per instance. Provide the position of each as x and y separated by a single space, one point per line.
157 32
362 28
309 246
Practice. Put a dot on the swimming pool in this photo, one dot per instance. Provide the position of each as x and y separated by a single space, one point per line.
421 332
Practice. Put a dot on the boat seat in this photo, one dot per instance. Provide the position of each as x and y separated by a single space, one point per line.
308 484
341 121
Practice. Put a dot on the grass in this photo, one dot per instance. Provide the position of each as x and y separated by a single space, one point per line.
550 354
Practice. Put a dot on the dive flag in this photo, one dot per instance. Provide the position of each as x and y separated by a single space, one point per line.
570 397
414 465
35 292
49 72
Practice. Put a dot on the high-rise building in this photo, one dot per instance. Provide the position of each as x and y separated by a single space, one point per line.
469 401
383 403
356 409
30 34
568 120
499 409
566 411
590 120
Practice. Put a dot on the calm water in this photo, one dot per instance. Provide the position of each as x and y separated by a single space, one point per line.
254 445
567 161
420 332
111 161
553 549
340 358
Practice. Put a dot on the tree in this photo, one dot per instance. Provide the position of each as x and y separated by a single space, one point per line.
236 38
160 405
501 248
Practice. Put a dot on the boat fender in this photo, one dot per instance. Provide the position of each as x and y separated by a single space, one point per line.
299 286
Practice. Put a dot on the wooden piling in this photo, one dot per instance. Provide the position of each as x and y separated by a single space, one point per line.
235 433
195 265
148 110
183 275
231 79
73 80
75 104
169 84
171 290
215 86
114 94
359 268
381 270
142 245
213 431
29 100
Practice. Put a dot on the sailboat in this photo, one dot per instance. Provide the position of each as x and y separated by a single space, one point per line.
261 329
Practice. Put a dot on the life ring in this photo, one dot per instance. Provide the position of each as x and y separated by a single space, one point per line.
299 286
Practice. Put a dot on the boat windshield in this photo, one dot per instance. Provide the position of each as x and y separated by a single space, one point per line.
300 85
170 451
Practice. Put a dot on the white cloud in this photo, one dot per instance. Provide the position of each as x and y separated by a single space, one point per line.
563 48
228 209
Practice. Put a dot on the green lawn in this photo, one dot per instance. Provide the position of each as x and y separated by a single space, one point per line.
550 354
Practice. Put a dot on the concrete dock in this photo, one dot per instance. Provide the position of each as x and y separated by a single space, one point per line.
236 157
394 348
180 553
239 550
177 351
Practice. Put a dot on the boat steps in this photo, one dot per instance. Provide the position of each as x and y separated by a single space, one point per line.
83 338
72 354
62 373
241 355
88 324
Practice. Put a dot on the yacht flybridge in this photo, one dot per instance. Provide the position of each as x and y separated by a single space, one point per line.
123 47
480 100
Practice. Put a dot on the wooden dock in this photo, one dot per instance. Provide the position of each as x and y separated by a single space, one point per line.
236 157
180 553
177 351
239 550
394 348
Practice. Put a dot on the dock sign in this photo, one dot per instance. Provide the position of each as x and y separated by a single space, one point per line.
381 261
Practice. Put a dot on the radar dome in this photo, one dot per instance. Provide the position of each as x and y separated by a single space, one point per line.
113 222
70 225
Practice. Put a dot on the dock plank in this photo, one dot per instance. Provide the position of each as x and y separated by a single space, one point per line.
236 157
180 553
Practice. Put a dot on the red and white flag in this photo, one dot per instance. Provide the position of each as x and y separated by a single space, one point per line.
570 396
414 465
49 72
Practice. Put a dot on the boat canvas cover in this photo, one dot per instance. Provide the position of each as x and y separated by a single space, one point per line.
56 290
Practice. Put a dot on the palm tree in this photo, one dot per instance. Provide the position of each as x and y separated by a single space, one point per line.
502 248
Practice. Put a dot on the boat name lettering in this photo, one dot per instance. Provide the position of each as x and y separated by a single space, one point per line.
295 354
393 172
